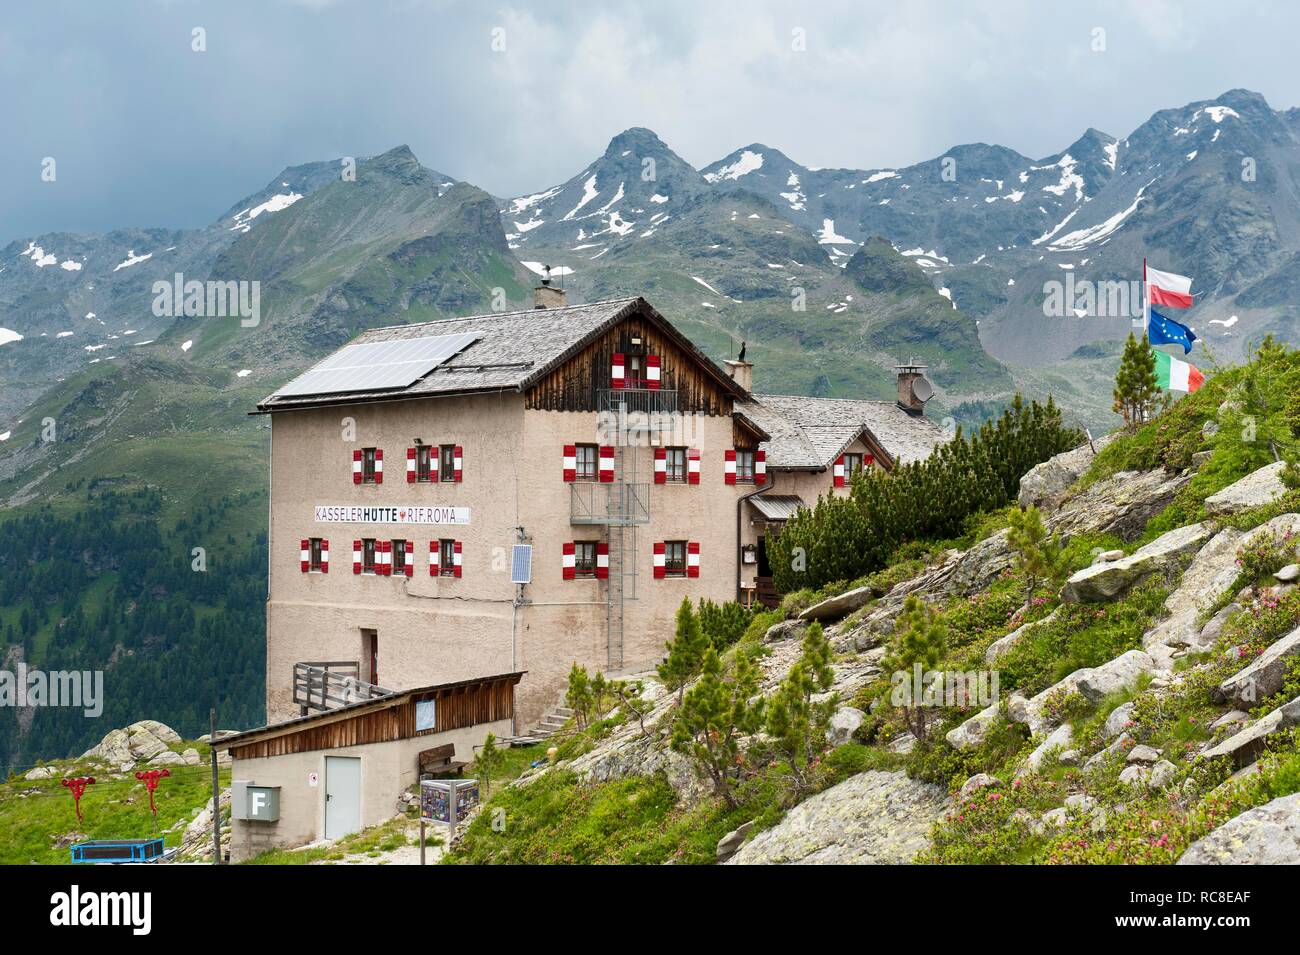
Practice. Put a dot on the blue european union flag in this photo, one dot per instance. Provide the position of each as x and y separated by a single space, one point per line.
1163 330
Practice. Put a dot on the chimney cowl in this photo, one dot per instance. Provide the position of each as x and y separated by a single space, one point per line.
546 295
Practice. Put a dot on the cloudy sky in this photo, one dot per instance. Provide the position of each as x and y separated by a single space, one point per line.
147 131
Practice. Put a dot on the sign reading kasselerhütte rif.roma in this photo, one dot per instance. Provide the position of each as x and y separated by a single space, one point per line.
369 514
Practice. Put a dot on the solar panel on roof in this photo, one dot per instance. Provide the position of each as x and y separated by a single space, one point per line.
376 366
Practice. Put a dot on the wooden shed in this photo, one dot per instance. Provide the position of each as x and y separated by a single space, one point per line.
343 769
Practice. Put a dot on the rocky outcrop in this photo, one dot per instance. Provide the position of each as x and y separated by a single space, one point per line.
1254 490
1120 673
1044 486
196 843
871 818
1264 676
729 844
1245 745
1000 648
1120 505
972 731
785 630
1265 835
1106 580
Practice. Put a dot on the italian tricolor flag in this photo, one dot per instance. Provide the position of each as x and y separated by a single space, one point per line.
1176 375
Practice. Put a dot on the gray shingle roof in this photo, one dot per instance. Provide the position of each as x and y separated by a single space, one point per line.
812 432
513 349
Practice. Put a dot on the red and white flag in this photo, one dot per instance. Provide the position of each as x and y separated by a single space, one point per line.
1168 289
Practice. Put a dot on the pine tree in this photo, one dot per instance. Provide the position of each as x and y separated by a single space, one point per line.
487 762
920 637
796 724
578 696
685 651
1037 553
713 717
1136 390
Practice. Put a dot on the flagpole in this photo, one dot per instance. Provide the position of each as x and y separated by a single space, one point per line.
1146 298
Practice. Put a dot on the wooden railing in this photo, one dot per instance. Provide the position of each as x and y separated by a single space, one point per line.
327 686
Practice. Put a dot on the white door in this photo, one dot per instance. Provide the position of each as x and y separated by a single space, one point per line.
342 795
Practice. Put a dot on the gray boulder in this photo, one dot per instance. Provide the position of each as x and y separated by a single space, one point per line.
1142 754
729 844
1102 582
999 648
1246 744
159 730
841 605
785 630
1118 720
976 783
1057 741
1120 673
844 723
112 749
1162 774
1255 489
1288 574
972 732
1265 835
1264 676
874 817
1044 485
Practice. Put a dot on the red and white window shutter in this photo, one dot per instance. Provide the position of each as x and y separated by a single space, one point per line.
606 464
693 558
410 465
570 462
386 558
602 561
408 563
868 460
729 467
456 558
569 562
839 471
379 465
661 465
324 555
435 553
305 556
356 557
458 462
760 467
692 465
356 466
652 371
661 559
616 373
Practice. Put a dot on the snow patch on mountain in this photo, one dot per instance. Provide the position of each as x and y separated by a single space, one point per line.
39 255
8 335
243 220
589 192
747 163
132 259
827 235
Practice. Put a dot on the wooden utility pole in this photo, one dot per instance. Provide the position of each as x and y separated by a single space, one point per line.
216 789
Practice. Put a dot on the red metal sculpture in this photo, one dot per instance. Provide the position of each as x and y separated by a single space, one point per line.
78 786
150 779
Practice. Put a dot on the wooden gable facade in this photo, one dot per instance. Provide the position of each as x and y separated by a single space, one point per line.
577 383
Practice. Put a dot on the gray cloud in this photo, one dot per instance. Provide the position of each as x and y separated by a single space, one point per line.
147 132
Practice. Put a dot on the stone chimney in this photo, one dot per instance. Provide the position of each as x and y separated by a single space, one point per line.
913 388
547 295
741 372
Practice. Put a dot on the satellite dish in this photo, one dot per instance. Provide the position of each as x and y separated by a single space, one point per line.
922 389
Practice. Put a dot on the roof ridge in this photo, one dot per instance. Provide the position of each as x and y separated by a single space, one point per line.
519 311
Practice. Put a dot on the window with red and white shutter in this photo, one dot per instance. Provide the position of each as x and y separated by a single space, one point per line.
384 563
356 557
458 464
692 465
760 467
435 554
379 465
305 557
570 464
729 466
356 466
410 465
652 371
693 559
408 565
602 561
660 558
661 465
569 561
617 372
838 472
456 561
606 464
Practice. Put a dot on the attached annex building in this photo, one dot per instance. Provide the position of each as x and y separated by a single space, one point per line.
406 467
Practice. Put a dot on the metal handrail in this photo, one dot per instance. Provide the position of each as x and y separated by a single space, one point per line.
616 503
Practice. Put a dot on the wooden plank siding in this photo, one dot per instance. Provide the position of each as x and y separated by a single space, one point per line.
457 707
575 385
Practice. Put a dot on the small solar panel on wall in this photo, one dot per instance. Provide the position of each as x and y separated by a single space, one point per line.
521 564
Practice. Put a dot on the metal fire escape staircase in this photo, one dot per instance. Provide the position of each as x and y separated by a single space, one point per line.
630 419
